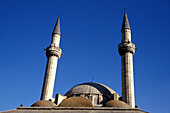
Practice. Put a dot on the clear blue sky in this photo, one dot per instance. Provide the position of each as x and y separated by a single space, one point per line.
90 37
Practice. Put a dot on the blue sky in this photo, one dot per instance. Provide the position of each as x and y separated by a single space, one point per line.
90 37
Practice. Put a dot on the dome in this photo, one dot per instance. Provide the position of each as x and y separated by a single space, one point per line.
116 103
76 102
43 103
90 88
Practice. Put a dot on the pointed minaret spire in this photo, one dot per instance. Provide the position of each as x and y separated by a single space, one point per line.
57 27
125 24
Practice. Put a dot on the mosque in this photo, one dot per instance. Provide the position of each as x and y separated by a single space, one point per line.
87 97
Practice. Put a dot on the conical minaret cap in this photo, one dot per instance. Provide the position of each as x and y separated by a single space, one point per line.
125 24
57 27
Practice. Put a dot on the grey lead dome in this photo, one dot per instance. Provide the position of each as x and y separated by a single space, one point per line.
90 88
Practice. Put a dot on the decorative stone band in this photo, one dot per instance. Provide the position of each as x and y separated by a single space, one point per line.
53 51
126 47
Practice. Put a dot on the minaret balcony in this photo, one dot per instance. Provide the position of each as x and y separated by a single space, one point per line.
126 47
53 51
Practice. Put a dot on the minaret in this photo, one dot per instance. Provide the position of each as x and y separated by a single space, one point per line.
126 50
53 53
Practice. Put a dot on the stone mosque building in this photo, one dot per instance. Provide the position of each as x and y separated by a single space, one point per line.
88 97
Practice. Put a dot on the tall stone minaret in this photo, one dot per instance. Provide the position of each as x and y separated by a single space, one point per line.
53 53
126 50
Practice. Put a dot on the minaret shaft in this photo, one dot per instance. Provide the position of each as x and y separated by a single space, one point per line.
126 50
56 40
53 53
126 35
127 79
49 79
